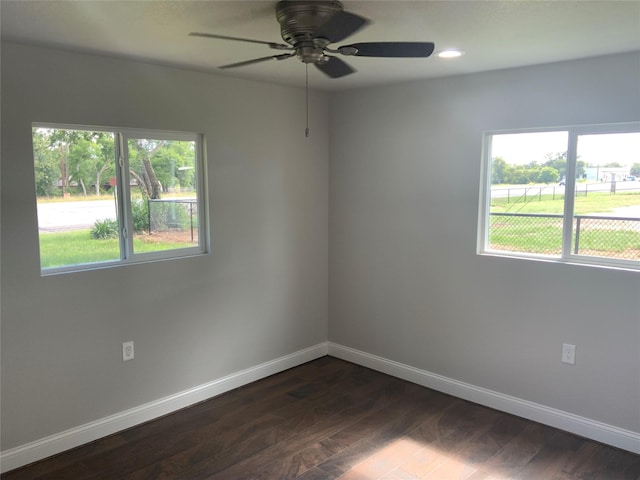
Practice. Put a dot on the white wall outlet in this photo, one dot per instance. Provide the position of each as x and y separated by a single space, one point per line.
568 353
127 351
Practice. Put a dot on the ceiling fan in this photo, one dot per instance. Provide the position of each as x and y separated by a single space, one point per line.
308 27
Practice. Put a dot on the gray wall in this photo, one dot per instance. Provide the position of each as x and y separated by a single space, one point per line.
398 176
260 294
405 282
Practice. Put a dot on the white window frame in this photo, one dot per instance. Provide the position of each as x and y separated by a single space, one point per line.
567 255
125 220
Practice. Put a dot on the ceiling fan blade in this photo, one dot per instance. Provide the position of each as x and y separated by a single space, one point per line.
340 26
335 68
276 46
284 56
389 49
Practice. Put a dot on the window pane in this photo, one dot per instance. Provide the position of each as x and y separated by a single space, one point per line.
606 220
76 198
527 192
164 194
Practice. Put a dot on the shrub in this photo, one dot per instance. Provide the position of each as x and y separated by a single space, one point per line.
169 216
104 229
140 216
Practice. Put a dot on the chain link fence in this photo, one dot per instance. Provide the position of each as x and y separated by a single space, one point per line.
593 235
601 236
174 216
528 193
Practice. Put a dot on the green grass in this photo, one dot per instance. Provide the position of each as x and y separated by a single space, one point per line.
596 202
78 248
521 234
544 236
612 241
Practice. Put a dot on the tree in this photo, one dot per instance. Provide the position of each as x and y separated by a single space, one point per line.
104 157
498 166
79 161
60 142
81 156
174 165
516 174
140 153
162 166
548 175
558 161
635 169
46 167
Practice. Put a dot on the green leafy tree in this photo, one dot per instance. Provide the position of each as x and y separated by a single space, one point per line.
79 161
548 175
47 169
80 157
558 161
60 142
141 168
516 174
74 149
162 166
554 167
498 166
104 159
173 164
635 169
91 154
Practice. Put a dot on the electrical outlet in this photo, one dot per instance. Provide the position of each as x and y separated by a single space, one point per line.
127 351
568 354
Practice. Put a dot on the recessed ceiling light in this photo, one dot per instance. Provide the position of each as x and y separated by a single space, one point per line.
450 53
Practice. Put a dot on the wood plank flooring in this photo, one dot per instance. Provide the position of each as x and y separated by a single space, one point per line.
330 419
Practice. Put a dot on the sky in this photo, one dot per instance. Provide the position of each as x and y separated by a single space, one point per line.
522 148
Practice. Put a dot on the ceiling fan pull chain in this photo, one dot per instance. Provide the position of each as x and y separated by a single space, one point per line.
306 91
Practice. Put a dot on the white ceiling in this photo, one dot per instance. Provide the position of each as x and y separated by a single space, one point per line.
493 34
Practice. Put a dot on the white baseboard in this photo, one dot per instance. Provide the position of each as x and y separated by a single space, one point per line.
45 447
585 427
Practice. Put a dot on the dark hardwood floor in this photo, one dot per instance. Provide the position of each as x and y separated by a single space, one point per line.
331 419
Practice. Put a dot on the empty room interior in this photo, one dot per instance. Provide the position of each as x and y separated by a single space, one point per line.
345 210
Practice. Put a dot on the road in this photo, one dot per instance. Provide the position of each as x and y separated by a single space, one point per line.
61 216
516 191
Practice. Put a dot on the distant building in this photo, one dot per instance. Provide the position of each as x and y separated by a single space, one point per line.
606 174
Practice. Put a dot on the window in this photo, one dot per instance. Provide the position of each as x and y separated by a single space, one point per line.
570 194
114 196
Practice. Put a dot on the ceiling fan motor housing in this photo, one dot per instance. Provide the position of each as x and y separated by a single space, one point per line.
299 20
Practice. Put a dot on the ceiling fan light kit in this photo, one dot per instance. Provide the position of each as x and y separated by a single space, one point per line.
308 27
